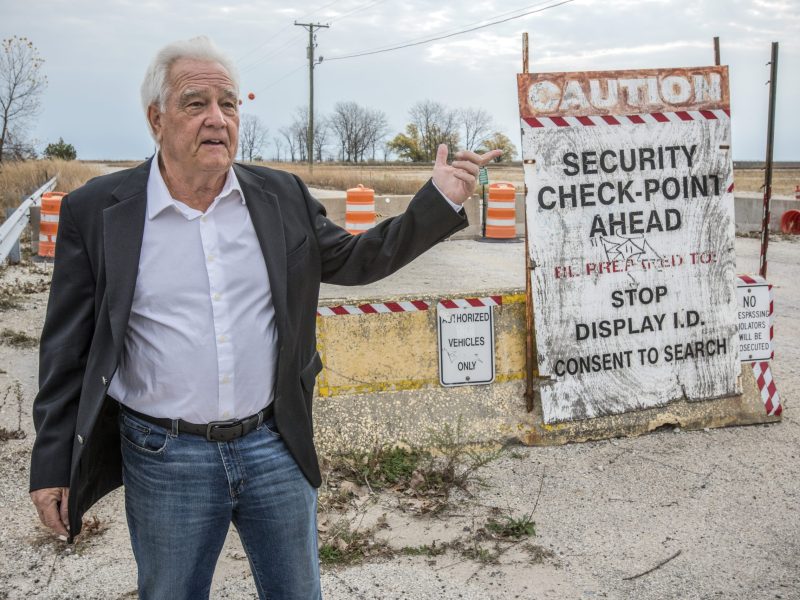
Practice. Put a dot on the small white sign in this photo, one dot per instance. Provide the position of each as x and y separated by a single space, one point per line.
755 333
466 345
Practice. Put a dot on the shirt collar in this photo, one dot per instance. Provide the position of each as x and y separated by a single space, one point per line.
159 198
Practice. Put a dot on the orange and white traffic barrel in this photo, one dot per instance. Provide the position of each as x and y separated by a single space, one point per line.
360 210
48 226
501 213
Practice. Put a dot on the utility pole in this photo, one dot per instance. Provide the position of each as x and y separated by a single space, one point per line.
312 43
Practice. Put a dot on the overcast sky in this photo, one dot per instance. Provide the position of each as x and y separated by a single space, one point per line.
96 53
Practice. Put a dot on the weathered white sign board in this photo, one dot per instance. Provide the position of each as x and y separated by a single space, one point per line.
466 345
631 233
755 321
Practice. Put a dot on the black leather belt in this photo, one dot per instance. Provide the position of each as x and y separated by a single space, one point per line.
215 431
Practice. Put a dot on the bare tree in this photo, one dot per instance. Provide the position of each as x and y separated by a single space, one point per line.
436 125
321 132
252 136
476 123
377 126
358 129
278 143
291 141
21 86
299 129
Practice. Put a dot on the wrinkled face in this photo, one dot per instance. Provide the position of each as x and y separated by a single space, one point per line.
199 128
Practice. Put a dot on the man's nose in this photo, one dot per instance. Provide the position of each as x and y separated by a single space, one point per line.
214 117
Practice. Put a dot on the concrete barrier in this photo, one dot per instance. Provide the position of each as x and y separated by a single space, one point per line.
750 208
380 384
391 205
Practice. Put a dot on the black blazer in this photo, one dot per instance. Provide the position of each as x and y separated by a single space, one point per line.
97 258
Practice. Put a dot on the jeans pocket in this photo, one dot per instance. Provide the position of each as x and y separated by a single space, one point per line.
145 438
269 427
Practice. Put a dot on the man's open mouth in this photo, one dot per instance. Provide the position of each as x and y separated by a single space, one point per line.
214 142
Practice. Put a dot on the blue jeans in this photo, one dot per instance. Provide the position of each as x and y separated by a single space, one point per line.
181 494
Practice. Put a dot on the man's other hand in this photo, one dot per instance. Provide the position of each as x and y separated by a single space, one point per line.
457 180
51 504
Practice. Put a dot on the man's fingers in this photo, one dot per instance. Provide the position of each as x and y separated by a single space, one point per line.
467 166
489 156
47 505
465 177
64 512
479 159
51 518
469 155
441 155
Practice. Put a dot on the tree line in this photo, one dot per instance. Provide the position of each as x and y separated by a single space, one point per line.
354 133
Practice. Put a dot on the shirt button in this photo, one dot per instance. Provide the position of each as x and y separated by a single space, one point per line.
80 439
210 258
217 296
226 379
226 414
223 339
202 219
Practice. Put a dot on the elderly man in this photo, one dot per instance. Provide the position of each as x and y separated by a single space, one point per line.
178 352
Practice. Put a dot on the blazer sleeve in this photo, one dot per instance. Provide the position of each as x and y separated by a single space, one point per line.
393 243
63 351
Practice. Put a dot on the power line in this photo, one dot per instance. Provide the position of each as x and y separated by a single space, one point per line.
280 31
442 37
464 25
275 82
357 9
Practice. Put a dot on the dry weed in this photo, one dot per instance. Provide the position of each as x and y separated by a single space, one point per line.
21 178
18 339
384 179
91 529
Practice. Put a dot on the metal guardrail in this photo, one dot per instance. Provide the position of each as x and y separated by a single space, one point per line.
16 223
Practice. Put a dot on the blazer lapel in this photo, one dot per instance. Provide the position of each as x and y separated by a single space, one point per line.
123 227
266 216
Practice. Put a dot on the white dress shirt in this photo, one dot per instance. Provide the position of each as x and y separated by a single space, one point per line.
201 341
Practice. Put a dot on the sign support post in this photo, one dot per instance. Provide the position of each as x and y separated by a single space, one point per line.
529 343
773 81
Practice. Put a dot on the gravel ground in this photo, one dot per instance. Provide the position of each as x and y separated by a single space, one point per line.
721 504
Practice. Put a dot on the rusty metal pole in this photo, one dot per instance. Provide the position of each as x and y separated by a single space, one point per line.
773 84
528 290
716 51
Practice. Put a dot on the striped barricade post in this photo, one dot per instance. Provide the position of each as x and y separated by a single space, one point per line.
501 213
360 209
48 226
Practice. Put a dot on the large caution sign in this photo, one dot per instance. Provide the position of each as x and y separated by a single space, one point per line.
631 232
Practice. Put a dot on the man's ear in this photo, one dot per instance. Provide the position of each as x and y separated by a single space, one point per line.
154 119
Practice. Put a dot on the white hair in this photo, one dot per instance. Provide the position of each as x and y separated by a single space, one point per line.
155 87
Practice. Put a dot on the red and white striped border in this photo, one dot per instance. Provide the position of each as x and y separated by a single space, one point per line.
758 280
679 116
405 306
766 385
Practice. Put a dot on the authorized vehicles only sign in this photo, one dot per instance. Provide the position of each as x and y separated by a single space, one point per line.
466 345
631 229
